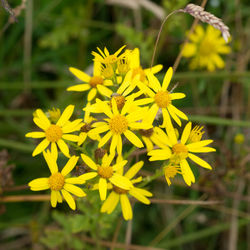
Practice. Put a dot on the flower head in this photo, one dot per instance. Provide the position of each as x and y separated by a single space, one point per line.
119 194
58 183
162 99
205 48
93 84
106 173
119 123
55 134
178 151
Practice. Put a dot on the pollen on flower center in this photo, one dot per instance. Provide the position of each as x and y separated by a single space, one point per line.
105 172
53 133
56 181
162 99
139 71
180 150
118 124
120 101
119 190
95 80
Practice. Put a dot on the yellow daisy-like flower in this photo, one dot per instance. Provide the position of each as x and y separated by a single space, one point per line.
58 183
120 194
54 114
106 173
86 128
170 171
162 99
55 134
205 48
118 123
135 65
181 150
106 58
93 84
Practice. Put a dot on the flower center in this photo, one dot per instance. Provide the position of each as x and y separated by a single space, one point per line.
146 132
56 181
120 101
95 80
53 133
119 190
207 47
86 127
180 152
118 124
196 134
139 71
105 172
162 99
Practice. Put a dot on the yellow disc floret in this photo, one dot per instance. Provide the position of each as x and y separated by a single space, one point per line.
56 181
180 152
162 99
119 190
105 171
53 133
120 101
118 124
95 80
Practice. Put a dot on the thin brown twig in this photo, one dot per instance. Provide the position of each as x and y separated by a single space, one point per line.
22 198
117 230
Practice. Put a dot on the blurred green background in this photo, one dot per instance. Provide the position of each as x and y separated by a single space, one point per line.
35 53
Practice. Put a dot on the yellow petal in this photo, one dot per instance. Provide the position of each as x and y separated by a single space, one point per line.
199 161
200 144
134 170
187 173
85 177
42 117
82 138
69 199
71 126
104 90
74 190
114 142
51 161
120 181
102 188
63 147
79 74
73 138
41 147
92 94
88 161
126 207
110 203
69 165
167 79
65 115
35 134
105 139
175 96
202 150
79 87
186 133
41 124
39 184
137 194
133 139
153 82
53 198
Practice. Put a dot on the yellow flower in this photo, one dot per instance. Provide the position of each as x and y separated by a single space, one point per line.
107 58
120 194
181 150
119 123
58 183
205 48
54 114
170 171
55 134
86 128
134 64
95 84
106 173
162 99
239 138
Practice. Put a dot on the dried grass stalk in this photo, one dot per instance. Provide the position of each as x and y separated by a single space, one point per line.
206 17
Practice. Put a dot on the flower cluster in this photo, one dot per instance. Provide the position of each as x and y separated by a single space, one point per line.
128 109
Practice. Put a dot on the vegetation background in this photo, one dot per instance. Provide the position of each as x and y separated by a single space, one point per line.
35 54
